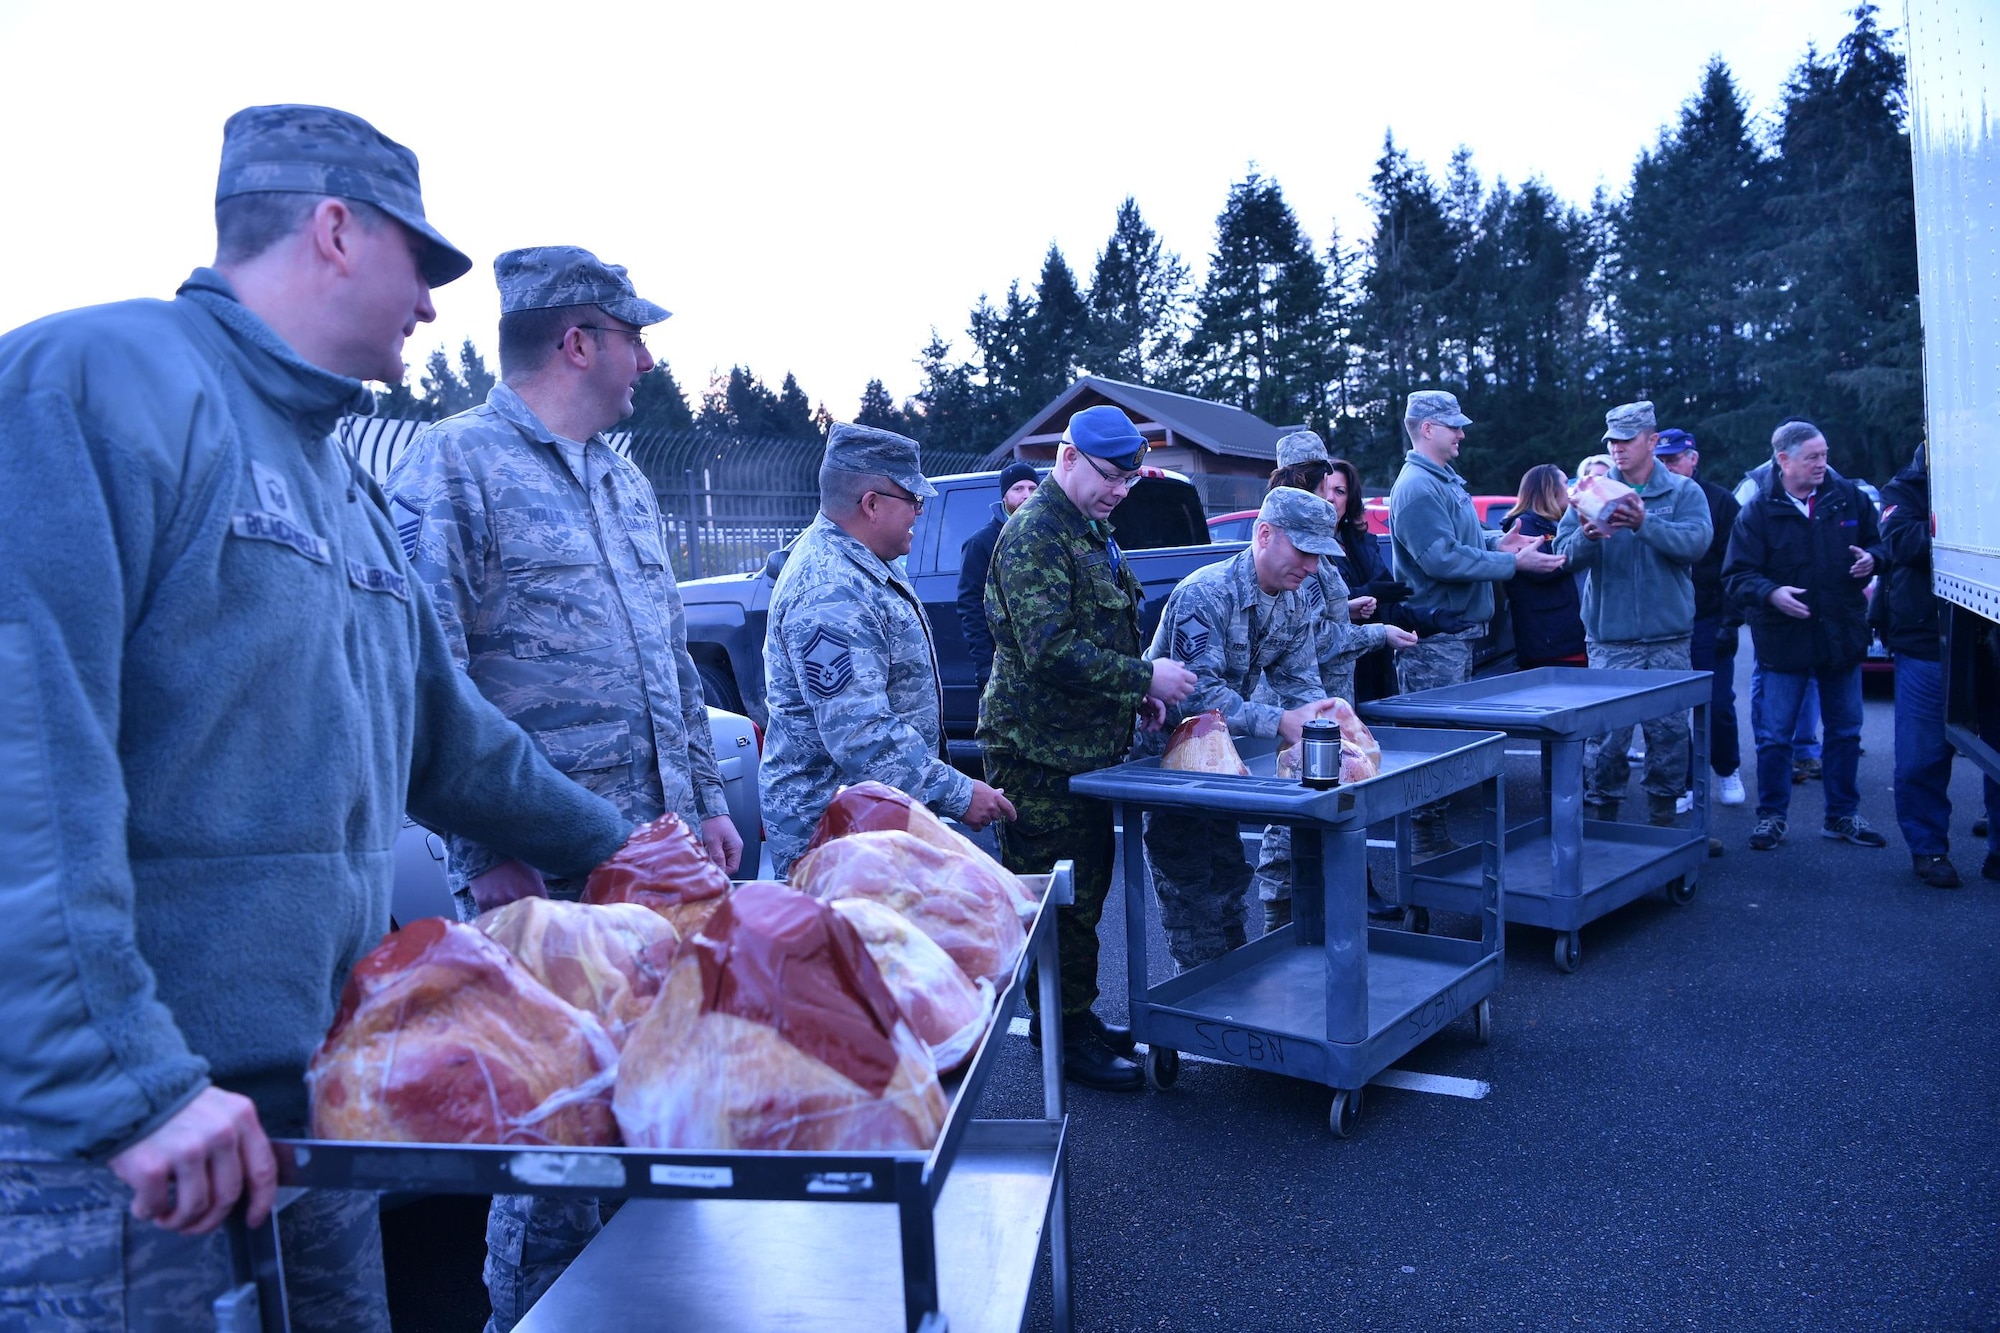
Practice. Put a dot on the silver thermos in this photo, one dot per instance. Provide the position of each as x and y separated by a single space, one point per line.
1319 754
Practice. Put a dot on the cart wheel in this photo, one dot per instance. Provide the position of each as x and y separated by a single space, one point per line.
1163 1067
1482 1021
1346 1110
1569 949
1680 890
1417 920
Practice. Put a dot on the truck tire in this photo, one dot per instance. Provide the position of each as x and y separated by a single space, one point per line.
718 687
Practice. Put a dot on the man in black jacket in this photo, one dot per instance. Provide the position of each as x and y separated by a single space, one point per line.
1915 638
1803 550
1717 627
1017 482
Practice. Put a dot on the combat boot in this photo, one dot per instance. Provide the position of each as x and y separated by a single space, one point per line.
1430 836
1607 811
1661 811
1277 912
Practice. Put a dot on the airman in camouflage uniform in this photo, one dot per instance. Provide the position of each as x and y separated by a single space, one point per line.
1068 681
1255 652
850 670
547 561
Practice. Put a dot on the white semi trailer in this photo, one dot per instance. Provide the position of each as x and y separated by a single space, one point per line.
1954 50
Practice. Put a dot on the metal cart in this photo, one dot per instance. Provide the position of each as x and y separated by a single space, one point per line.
742 1240
1563 871
1326 998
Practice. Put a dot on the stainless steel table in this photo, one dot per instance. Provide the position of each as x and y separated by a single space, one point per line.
892 1240
1328 997
1563 871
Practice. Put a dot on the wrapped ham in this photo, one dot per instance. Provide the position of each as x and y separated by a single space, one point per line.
1594 497
1202 745
442 1037
876 807
664 867
776 1032
608 961
1354 732
944 1007
1355 765
959 901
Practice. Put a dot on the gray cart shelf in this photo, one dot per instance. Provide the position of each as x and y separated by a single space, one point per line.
1563 871
1326 998
743 1240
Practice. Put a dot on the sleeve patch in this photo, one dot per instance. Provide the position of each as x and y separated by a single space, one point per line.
408 529
827 662
1190 642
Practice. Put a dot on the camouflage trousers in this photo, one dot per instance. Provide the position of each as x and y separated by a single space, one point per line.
1435 662
73 1258
1606 770
1053 824
530 1240
1202 881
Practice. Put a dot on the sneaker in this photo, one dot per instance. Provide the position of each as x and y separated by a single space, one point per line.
1685 805
1854 829
1936 871
1729 790
1637 749
1770 831
1805 770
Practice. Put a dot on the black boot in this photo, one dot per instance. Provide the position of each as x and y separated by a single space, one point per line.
1088 1061
1113 1037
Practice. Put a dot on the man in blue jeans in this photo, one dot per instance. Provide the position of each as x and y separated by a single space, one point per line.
1915 638
1803 550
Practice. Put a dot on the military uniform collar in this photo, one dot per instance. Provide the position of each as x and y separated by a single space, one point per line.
839 539
313 395
513 409
1064 510
1436 469
1659 483
1243 577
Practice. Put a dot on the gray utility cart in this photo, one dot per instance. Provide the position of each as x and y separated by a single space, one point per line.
714 1241
1328 997
1563 871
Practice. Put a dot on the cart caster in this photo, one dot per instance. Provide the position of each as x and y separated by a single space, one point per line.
1163 1067
1346 1111
1482 1022
1417 920
1680 890
1569 949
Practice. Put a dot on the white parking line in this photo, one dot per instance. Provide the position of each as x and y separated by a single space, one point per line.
1408 1080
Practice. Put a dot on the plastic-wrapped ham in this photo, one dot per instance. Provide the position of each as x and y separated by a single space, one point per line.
876 807
1354 733
442 1037
776 1032
664 867
1355 765
945 1007
1593 496
959 901
1201 744
608 961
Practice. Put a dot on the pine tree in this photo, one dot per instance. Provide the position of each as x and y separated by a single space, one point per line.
1052 336
791 413
444 392
658 405
1407 301
951 411
1138 305
397 403
473 374
879 410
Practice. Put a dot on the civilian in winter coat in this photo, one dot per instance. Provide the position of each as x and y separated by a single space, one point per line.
1548 610
1914 637
1017 482
1803 550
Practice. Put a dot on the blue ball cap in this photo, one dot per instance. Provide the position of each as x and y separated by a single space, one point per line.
1106 432
1672 442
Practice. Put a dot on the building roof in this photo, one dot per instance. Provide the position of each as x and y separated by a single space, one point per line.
1162 417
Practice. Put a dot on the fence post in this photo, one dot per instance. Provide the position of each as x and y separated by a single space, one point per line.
693 530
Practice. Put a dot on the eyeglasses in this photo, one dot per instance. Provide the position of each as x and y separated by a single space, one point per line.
1123 481
915 502
637 338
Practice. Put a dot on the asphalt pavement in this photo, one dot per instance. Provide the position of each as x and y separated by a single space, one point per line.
1773 1108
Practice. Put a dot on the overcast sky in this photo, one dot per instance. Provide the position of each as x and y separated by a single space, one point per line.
812 187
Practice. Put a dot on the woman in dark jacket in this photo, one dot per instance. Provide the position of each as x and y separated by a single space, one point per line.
1376 594
1548 611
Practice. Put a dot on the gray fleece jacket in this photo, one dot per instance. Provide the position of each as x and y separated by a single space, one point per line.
1638 586
220 686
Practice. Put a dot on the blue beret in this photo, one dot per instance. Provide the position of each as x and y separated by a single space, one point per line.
1106 432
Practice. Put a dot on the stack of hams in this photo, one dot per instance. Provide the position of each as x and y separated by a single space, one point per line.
673 1009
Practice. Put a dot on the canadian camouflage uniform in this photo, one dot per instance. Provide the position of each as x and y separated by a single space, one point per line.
851 682
1252 662
1067 680
1341 643
547 561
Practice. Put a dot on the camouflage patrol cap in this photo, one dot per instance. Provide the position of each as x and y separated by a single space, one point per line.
875 452
1435 405
542 277
318 150
1301 446
1628 421
1311 523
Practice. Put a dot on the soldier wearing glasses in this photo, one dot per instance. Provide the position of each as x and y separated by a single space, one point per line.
851 672
1069 681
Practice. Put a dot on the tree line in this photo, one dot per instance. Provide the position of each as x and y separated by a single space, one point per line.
1749 272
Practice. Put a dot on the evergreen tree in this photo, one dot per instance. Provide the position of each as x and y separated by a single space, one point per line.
473 374
396 403
1052 335
658 405
952 413
1407 301
879 410
1138 304
791 412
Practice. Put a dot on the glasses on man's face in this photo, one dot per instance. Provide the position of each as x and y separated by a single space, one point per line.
915 502
634 336
1123 481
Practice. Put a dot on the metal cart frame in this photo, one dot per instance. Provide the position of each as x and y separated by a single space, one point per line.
1563 871
1326 998
964 1222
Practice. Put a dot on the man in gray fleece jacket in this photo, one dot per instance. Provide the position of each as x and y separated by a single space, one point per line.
223 688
